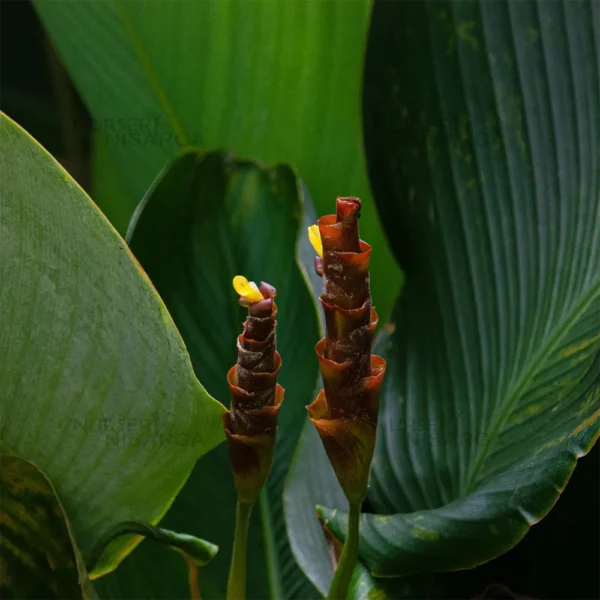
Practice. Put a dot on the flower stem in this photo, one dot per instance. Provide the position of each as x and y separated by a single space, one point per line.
193 578
236 584
345 568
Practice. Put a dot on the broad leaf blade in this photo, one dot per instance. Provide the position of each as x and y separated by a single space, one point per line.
208 218
482 119
39 557
273 81
96 384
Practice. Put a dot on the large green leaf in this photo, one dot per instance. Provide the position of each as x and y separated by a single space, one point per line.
108 182
96 386
311 482
484 149
274 81
38 555
208 218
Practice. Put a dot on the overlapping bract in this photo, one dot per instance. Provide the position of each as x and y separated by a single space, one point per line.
256 397
345 411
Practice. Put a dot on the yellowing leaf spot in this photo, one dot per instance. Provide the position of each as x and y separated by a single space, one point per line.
589 421
424 534
575 348
494 530
553 443
534 409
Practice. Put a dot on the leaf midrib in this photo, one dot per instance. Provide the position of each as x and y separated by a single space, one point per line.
529 372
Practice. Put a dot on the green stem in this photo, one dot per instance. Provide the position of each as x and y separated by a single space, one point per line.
236 584
345 568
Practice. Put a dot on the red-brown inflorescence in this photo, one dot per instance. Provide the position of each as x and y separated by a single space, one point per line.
345 411
256 397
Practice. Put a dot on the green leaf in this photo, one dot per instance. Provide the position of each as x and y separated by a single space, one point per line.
483 145
311 482
108 182
38 555
96 386
273 81
199 551
208 218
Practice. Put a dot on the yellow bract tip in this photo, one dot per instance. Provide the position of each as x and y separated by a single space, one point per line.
247 289
314 235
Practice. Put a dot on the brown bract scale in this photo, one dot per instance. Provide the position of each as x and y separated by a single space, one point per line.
256 397
345 412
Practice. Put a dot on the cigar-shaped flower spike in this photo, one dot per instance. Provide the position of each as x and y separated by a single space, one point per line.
345 412
251 423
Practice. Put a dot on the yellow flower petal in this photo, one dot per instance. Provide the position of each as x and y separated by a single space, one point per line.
314 235
247 289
